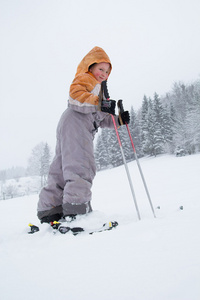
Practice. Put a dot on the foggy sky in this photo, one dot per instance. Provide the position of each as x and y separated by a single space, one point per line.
151 44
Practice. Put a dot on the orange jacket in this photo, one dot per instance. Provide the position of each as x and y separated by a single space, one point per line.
84 90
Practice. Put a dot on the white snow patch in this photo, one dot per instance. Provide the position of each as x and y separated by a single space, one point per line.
155 258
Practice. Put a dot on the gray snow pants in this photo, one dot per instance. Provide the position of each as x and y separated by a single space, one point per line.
72 171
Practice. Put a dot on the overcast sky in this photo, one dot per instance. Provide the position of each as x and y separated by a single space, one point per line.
151 44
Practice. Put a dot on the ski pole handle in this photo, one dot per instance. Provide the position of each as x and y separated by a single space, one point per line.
105 89
121 110
120 106
103 92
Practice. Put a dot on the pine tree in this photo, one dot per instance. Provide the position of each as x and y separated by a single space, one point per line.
149 142
101 151
105 157
114 150
125 142
45 164
144 125
144 116
159 130
34 162
39 161
168 125
135 130
192 143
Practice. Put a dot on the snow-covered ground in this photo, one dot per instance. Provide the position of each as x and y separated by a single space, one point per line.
152 259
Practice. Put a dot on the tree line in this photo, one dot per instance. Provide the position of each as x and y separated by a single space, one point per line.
38 165
162 125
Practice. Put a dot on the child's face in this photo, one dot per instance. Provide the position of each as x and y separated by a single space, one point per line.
100 71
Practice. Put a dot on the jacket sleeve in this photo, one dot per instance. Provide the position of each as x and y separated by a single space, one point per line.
83 95
107 122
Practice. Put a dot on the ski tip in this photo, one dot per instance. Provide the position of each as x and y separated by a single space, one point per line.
33 228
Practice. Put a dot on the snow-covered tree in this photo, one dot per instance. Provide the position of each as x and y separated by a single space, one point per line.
158 126
135 131
34 162
186 126
149 131
168 131
114 150
39 161
101 151
45 164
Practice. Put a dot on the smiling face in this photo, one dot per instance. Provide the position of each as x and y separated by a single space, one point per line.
100 71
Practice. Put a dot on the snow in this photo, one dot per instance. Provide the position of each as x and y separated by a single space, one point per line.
155 258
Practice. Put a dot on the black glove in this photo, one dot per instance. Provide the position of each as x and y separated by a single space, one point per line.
108 106
125 116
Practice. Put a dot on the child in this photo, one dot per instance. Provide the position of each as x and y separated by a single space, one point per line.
68 192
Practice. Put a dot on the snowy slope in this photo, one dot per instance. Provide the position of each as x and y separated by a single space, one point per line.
152 259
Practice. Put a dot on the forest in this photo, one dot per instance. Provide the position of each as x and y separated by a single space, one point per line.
168 124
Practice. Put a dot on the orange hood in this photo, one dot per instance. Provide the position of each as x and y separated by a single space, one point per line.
96 55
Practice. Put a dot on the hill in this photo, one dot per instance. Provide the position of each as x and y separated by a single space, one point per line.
155 258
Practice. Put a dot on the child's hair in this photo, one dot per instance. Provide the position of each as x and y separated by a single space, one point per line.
91 66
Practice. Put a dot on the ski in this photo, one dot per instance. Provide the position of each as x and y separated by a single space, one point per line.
33 228
63 228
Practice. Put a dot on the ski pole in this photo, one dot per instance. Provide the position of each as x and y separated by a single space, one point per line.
121 109
104 86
